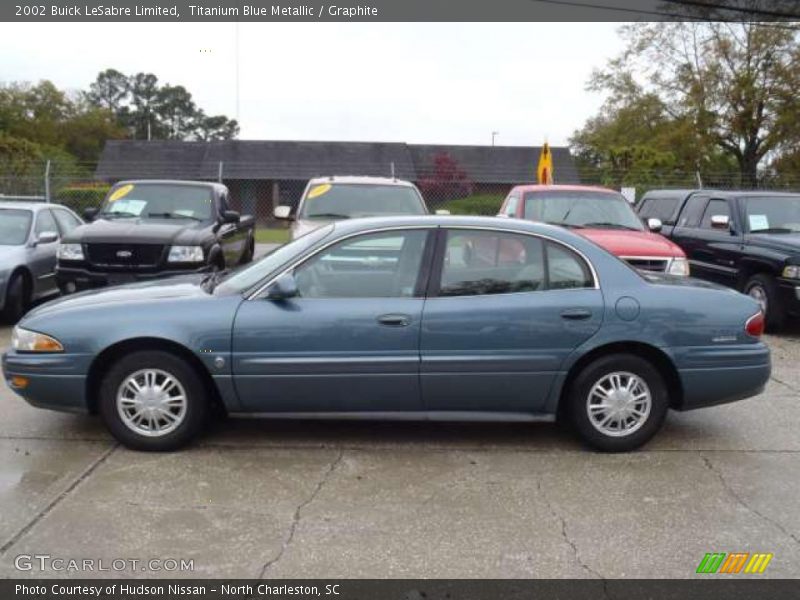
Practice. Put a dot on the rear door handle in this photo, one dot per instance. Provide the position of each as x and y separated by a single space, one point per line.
394 320
576 314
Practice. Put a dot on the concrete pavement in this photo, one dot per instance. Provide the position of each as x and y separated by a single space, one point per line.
357 499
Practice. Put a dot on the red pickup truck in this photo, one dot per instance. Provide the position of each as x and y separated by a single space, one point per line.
603 216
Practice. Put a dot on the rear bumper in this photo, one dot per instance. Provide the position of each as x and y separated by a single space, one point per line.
721 374
54 381
83 279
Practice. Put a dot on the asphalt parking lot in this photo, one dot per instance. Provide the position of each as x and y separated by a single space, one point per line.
354 499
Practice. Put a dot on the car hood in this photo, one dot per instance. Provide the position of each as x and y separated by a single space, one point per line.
631 243
171 288
11 256
138 231
779 241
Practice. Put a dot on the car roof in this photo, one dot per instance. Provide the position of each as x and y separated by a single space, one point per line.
746 193
361 180
211 184
355 225
27 205
536 187
684 193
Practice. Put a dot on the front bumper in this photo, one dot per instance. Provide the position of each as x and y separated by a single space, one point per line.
54 381
72 279
789 290
720 374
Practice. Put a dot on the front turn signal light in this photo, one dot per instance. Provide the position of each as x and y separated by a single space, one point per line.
24 340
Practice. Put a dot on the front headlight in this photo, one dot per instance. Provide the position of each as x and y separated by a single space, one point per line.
185 254
24 340
792 272
679 266
70 252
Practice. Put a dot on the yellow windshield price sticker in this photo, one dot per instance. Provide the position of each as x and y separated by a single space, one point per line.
120 192
319 190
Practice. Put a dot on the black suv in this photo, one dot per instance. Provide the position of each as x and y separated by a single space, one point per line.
748 240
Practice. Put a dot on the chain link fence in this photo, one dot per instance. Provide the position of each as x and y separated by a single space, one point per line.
460 189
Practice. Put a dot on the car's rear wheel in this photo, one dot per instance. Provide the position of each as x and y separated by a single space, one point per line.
153 401
763 289
16 301
618 402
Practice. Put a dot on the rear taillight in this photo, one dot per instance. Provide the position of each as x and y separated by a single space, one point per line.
755 325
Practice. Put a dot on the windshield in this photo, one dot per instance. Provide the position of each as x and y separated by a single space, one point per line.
14 226
582 209
775 214
348 201
159 201
243 279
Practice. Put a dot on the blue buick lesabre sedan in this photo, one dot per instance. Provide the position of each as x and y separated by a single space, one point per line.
447 318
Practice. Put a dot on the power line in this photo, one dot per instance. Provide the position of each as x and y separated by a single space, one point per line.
676 16
737 9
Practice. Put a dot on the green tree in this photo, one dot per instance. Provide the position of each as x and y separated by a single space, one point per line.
149 110
726 90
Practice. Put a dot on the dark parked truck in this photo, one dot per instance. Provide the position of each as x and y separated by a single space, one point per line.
748 240
149 229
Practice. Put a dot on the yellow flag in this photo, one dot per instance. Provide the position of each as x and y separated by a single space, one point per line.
544 172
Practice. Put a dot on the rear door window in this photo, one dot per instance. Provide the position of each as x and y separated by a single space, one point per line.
478 263
693 211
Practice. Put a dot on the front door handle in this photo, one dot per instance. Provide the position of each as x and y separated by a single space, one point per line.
394 320
576 314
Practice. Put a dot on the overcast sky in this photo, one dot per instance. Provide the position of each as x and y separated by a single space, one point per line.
450 83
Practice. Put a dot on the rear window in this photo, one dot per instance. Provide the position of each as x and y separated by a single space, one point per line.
660 208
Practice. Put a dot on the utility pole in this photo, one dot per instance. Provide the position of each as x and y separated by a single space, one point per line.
47 181
236 51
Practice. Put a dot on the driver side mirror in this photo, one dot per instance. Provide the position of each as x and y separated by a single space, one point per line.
283 288
230 216
46 237
654 225
283 212
720 222
90 213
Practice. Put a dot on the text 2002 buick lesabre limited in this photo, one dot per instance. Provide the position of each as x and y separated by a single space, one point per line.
398 318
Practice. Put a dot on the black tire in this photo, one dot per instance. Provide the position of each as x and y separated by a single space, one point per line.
197 401
16 302
249 252
763 286
577 399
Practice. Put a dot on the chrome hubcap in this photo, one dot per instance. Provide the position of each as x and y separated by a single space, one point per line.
758 294
151 402
619 404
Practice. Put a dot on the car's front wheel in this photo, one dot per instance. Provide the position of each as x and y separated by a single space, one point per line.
16 301
153 401
618 402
